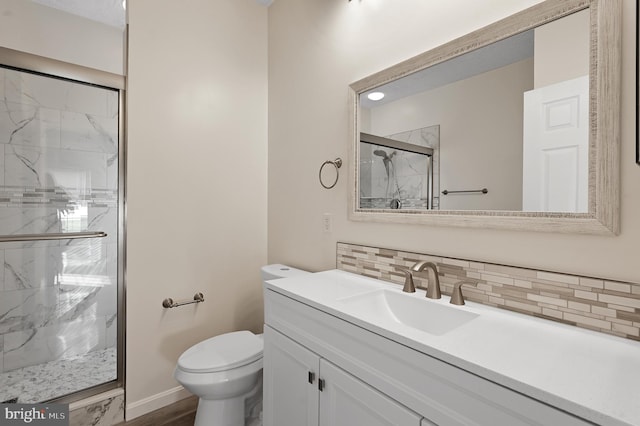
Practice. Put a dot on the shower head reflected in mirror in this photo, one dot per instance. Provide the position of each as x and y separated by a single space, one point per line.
383 154
380 153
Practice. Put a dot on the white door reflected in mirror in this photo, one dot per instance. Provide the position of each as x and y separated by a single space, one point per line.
556 148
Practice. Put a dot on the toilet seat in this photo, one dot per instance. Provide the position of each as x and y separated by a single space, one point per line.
221 353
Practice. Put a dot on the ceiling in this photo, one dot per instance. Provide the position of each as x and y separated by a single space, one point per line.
109 12
510 50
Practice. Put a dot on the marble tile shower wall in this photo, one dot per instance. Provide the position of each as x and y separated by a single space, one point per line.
401 174
611 307
58 173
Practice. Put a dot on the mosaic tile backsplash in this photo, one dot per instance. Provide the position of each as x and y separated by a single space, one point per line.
611 307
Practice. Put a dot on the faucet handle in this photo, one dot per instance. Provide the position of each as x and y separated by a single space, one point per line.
456 296
409 287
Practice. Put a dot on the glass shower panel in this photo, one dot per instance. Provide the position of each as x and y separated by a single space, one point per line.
393 178
58 296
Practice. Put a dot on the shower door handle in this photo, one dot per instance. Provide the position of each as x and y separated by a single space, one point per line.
56 236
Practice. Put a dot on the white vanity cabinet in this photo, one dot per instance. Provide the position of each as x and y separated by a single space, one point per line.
302 389
370 379
290 390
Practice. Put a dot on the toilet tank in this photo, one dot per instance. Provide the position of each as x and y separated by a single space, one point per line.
277 270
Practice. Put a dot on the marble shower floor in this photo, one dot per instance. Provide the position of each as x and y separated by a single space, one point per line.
53 379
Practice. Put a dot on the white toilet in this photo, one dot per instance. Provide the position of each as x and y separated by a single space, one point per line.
226 370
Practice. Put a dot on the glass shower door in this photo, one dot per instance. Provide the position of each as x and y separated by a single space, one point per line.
59 213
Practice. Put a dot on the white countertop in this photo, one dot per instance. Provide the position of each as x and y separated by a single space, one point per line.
591 375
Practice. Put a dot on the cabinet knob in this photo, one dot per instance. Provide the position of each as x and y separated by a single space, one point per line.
320 384
312 377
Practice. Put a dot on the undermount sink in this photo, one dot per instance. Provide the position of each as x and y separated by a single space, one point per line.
410 310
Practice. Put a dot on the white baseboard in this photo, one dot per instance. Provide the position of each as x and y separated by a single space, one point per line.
154 402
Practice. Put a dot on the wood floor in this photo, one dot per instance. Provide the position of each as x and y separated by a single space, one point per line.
181 413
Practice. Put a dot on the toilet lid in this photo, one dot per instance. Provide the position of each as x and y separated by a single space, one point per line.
222 352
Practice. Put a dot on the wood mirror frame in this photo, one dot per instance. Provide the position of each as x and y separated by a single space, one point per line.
603 213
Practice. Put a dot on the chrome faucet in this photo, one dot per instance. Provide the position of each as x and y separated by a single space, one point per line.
456 296
433 289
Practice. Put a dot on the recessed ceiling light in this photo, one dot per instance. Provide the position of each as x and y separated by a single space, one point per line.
375 96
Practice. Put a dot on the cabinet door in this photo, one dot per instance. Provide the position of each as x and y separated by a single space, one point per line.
346 401
289 397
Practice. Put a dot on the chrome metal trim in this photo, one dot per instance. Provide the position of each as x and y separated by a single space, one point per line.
52 236
430 182
337 163
390 143
85 393
465 191
169 303
122 234
59 69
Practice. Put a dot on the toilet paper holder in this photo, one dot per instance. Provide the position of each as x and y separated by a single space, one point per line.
170 303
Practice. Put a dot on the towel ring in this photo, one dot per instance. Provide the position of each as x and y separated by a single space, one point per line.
337 163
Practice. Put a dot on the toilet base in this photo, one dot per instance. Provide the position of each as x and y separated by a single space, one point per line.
222 412
228 412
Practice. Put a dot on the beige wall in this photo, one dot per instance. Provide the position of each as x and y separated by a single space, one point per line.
480 147
316 49
197 192
44 31
561 49
197 154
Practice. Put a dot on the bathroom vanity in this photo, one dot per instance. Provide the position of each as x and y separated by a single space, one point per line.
342 349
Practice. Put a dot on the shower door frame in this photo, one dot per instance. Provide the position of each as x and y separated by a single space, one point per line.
51 68
407 147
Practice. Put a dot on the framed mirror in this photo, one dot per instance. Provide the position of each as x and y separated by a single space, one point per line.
513 126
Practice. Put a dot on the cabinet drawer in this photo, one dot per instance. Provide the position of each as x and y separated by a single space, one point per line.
440 392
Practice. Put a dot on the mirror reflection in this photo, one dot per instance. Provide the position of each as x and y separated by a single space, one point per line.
398 172
511 118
